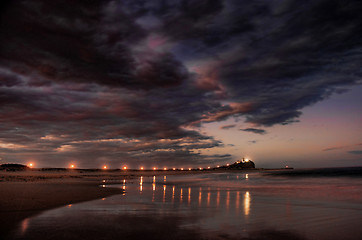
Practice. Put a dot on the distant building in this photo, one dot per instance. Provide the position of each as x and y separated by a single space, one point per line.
242 164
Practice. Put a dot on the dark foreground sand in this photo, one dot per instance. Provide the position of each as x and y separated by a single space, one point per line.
22 198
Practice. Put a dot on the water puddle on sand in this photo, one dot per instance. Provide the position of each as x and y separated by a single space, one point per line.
210 206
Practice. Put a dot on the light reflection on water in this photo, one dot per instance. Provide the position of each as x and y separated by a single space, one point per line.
246 203
213 205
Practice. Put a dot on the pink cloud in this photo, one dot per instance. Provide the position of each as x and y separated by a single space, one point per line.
232 109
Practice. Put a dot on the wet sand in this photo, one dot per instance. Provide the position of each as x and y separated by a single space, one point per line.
212 205
27 193
20 200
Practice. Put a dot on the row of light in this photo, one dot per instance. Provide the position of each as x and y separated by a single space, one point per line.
31 165
142 168
165 169
125 168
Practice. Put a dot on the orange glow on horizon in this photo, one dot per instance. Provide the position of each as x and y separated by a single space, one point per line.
31 165
72 166
182 169
189 169
124 168
141 168
104 167
165 169
174 169
154 168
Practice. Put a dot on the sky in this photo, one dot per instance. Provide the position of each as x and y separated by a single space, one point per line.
181 83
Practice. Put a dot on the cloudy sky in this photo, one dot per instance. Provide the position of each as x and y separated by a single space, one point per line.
172 83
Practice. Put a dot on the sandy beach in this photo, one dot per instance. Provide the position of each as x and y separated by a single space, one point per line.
313 194
27 193
24 194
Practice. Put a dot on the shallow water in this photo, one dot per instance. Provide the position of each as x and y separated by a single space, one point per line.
210 206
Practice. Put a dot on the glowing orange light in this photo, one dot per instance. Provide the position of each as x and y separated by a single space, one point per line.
164 168
182 169
218 166
174 169
247 199
141 184
154 168
208 199
208 167
141 168
124 168
30 164
286 166
200 168
227 164
246 160
124 184
189 169
72 166
104 167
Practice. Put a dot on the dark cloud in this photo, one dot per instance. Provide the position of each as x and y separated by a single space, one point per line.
85 43
254 130
334 148
293 58
357 152
341 147
109 80
253 141
226 127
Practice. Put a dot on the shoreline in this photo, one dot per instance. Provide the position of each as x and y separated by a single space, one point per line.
27 193
23 199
